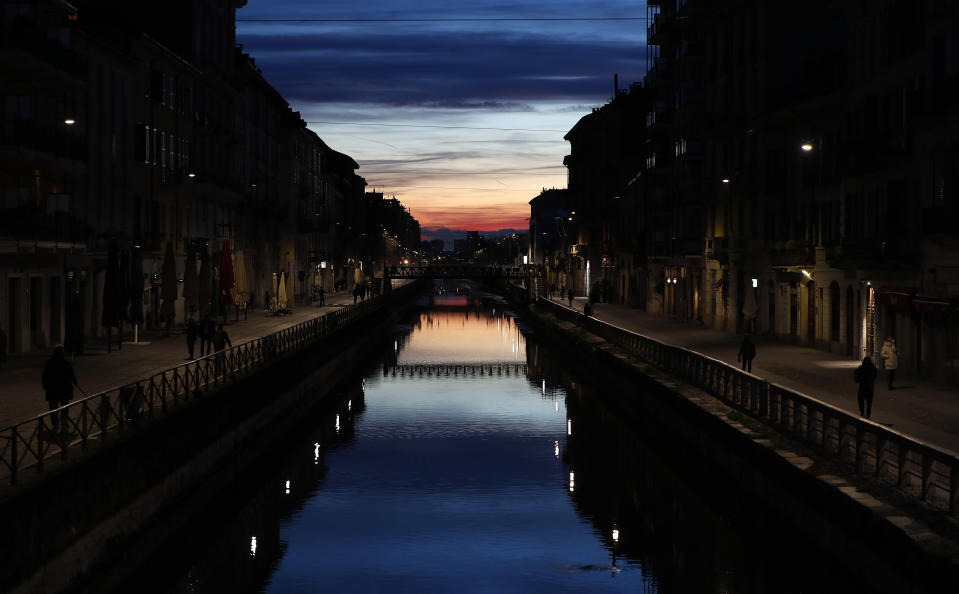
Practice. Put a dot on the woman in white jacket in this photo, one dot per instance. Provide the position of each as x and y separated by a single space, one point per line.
890 358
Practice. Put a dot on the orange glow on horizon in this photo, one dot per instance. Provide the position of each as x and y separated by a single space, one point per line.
454 336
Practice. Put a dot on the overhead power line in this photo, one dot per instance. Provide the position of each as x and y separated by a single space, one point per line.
434 126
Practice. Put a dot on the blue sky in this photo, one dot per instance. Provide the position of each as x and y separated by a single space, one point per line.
463 118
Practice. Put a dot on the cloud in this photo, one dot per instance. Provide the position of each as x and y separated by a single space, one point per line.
447 69
462 121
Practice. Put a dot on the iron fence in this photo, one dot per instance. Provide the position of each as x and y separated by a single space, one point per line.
924 470
63 432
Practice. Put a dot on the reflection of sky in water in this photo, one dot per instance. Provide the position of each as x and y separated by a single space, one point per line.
449 485
451 337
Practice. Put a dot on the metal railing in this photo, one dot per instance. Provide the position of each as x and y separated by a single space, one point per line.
923 470
76 426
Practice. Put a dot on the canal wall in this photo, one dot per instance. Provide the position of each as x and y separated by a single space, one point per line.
892 550
62 529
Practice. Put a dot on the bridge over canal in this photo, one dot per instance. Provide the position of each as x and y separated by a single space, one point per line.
455 369
462 271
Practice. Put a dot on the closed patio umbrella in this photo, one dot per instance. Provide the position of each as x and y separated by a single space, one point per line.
113 301
191 282
204 291
750 307
240 294
168 292
135 291
281 292
226 274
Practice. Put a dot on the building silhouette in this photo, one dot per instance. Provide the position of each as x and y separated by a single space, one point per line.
150 126
787 170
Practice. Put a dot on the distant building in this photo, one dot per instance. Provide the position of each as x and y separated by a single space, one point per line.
549 237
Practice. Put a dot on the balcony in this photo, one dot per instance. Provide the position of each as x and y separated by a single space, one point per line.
27 48
791 253
27 223
657 117
52 139
660 71
660 30
872 252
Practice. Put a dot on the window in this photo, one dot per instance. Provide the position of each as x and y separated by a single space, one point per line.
679 147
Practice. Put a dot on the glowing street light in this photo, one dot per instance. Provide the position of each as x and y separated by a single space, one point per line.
806 147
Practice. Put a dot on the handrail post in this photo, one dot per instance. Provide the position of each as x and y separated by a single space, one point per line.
14 457
954 488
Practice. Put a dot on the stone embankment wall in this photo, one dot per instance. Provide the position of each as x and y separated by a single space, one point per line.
87 511
892 549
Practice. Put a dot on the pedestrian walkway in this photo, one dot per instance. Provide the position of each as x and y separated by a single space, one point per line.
921 409
21 395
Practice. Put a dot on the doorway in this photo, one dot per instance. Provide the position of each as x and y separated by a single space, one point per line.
850 321
13 315
36 313
811 312
55 307
793 315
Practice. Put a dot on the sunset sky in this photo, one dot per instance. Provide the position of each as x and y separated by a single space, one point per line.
458 109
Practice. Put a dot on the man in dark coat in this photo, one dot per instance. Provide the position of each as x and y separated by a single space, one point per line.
865 376
220 340
207 330
58 381
192 331
747 352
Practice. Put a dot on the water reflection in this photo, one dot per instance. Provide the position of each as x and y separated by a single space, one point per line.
687 524
441 471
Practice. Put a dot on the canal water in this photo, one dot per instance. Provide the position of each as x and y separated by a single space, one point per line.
467 459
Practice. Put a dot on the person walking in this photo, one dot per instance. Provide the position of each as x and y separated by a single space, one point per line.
192 331
569 297
747 352
220 341
322 294
58 381
890 359
203 331
865 376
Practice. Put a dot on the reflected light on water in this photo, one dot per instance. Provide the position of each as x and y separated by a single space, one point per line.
544 387
556 448
569 426
253 547
349 405
337 423
615 535
316 453
556 406
572 481
287 487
